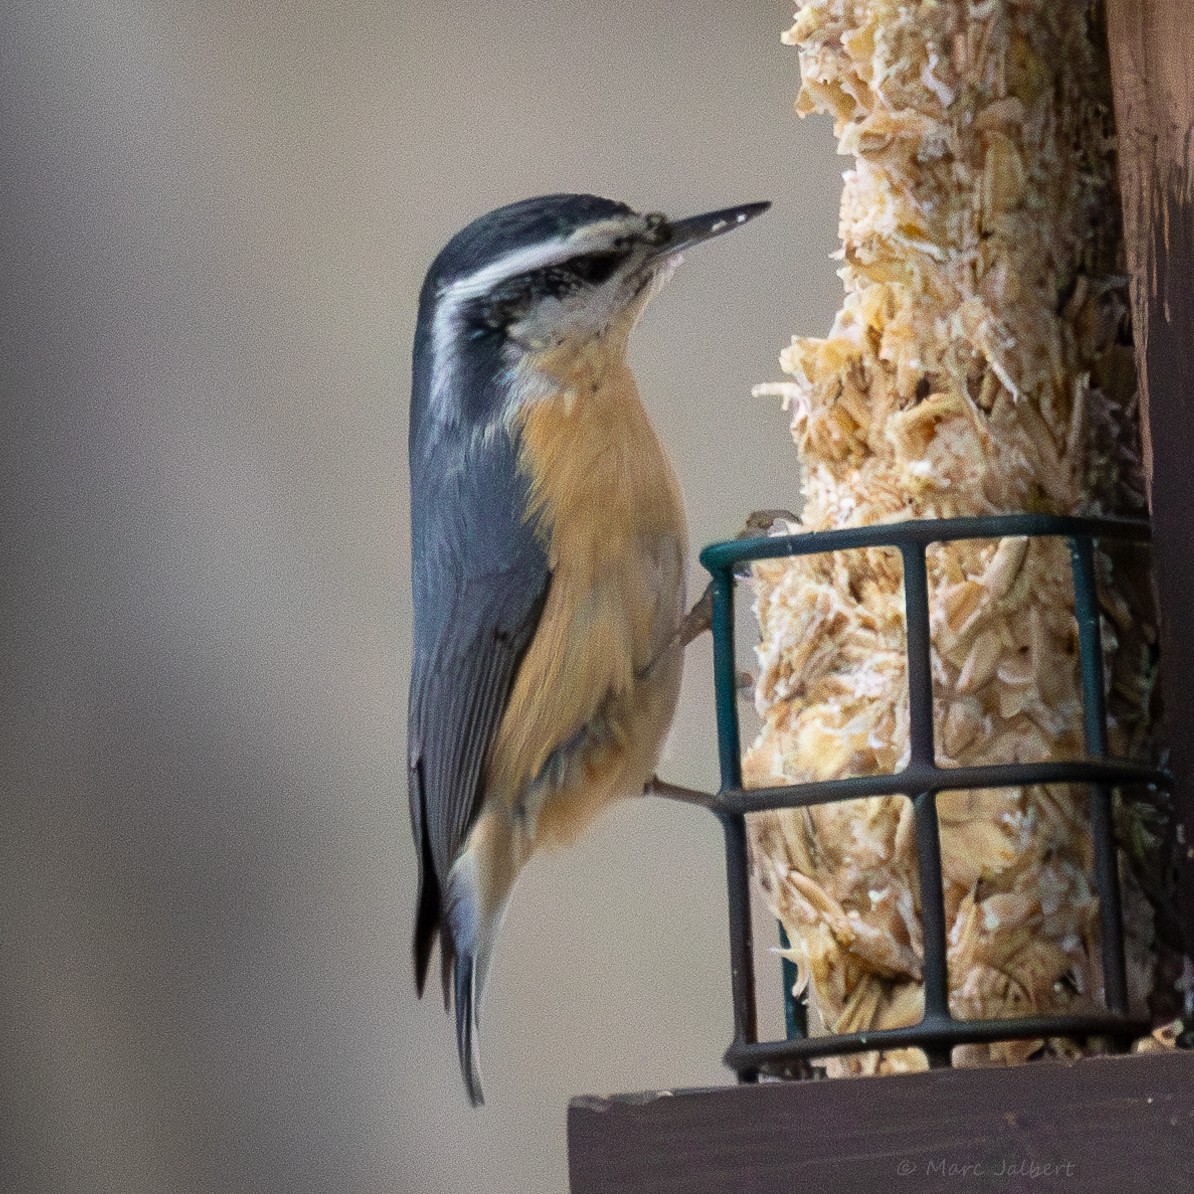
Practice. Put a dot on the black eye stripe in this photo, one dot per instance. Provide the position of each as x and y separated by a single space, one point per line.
594 268
510 299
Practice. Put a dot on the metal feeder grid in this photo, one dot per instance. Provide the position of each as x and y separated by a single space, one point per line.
921 780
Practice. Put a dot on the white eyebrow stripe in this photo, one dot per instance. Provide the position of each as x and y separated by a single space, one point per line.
520 261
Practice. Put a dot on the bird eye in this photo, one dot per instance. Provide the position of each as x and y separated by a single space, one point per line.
594 268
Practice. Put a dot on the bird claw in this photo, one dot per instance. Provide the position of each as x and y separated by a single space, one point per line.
762 522
760 525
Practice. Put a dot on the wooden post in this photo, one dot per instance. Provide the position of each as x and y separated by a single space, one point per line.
1152 61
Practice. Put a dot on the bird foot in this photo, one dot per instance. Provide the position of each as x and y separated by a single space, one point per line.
659 787
700 617
761 522
760 525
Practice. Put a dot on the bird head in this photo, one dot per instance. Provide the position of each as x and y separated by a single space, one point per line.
558 272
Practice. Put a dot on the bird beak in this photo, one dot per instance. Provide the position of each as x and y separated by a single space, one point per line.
686 233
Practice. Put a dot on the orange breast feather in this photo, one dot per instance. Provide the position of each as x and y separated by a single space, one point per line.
606 503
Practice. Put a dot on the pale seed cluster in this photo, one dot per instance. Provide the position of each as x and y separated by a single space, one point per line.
981 363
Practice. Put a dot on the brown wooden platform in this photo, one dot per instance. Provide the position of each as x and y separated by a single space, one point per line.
1113 1125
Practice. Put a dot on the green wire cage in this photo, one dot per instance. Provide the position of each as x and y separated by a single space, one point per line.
920 780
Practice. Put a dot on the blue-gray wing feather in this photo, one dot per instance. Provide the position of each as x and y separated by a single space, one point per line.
480 578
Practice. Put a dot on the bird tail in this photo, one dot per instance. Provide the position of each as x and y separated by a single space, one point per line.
465 942
467 995
460 975
466 924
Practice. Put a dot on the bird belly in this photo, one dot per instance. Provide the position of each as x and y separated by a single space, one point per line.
613 756
597 688
601 682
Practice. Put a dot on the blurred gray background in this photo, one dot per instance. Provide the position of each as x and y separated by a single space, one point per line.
216 217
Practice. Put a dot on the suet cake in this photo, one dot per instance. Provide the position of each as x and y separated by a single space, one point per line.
981 363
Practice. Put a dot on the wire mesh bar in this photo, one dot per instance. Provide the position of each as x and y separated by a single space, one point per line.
742 973
1094 720
924 804
720 557
795 1013
920 672
921 780
773 1056
934 968
1090 646
912 779
725 680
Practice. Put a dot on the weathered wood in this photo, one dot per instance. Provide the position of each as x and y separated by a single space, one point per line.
1099 1125
1152 57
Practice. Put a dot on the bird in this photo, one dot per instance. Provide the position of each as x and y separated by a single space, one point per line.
549 550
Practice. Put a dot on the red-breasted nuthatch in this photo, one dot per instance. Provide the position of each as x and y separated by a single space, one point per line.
549 555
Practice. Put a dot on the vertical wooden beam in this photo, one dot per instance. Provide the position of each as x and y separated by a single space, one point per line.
1152 59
